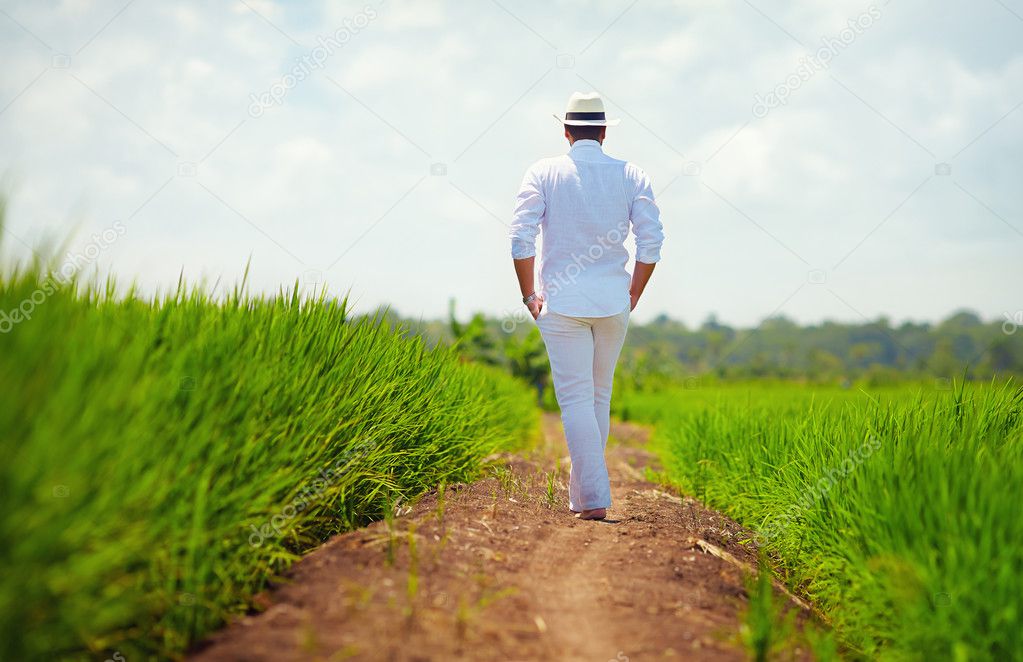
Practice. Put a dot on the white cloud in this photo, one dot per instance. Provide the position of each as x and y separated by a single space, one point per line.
319 169
404 15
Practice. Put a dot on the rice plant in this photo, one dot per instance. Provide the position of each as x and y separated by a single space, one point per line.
164 458
896 512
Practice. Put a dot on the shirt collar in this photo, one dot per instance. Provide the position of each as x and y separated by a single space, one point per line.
585 143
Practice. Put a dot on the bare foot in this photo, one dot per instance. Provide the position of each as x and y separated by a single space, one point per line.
594 513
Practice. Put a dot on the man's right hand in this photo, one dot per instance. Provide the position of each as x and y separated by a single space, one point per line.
535 306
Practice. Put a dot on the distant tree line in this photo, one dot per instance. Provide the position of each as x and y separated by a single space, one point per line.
963 345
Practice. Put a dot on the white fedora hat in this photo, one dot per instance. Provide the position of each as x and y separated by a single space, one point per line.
585 110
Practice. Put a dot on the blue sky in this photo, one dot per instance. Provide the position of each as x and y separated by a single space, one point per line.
888 183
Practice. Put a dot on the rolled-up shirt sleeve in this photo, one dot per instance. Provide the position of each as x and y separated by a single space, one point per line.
529 211
646 220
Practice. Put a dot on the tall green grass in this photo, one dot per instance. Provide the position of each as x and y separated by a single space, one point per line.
898 514
163 459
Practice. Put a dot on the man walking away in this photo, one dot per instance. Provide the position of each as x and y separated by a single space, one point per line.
582 205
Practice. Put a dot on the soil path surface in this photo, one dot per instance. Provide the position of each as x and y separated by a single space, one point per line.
500 570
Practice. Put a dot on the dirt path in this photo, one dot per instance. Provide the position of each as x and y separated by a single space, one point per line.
493 571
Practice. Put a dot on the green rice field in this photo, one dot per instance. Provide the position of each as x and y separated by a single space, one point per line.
896 510
163 459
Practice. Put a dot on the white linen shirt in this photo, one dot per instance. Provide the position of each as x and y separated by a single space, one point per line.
583 204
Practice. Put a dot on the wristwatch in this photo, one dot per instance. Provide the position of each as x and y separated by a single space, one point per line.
527 300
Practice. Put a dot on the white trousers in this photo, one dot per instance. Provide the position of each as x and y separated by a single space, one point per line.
583 352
